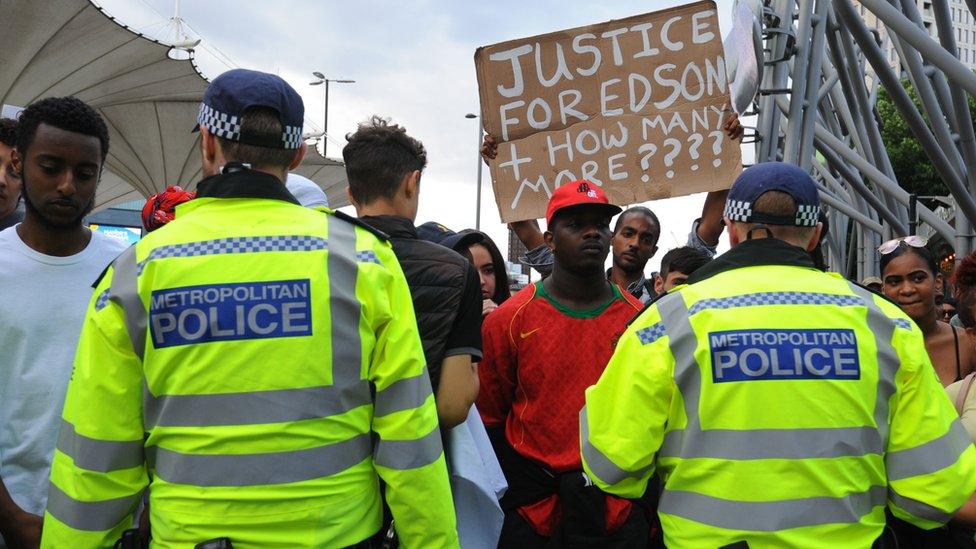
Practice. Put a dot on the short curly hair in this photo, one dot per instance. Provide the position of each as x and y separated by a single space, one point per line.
377 158
8 132
66 113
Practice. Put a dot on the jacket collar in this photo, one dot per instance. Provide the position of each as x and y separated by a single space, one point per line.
393 225
751 253
244 184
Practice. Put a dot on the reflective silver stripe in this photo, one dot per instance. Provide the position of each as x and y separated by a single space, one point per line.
250 408
403 394
917 508
258 469
99 455
888 360
409 454
683 343
124 291
934 455
92 516
773 443
771 516
344 306
605 469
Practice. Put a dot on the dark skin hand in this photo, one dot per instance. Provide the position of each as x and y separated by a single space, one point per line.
20 529
709 230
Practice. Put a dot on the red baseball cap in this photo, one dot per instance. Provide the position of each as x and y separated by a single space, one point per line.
579 192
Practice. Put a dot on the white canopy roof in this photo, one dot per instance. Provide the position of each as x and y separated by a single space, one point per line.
148 100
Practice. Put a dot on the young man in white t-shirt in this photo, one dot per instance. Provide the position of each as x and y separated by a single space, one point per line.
48 264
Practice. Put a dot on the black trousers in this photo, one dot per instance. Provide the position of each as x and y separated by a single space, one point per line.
517 533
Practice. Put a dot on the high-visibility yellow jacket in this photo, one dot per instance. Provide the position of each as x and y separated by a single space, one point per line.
257 365
779 405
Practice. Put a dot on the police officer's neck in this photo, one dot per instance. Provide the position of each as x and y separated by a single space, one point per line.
576 289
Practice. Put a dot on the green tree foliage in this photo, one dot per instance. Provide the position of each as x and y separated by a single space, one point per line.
912 166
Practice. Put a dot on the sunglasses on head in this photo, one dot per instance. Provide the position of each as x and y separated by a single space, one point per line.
914 241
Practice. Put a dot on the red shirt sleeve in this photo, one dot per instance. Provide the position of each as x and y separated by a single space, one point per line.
496 371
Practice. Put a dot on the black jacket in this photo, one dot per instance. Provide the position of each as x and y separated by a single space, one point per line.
443 285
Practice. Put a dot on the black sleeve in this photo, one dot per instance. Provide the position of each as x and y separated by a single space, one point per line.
465 336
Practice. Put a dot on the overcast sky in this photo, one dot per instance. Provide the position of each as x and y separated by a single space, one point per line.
412 62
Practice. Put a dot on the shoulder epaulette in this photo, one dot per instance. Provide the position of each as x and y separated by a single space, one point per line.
360 223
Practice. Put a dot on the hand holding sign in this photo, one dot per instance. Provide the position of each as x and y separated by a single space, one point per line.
637 106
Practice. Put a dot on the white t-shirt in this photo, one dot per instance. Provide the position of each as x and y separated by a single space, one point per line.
43 300
306 191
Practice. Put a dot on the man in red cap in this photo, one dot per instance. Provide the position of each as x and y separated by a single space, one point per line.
542 349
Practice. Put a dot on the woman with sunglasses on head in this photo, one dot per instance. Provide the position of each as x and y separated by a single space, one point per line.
910 277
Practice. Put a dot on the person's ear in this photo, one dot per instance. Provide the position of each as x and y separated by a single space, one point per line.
352 200
733 235
815 237
208 151
549 240
296 161
16 162
411 184
658 284
653 251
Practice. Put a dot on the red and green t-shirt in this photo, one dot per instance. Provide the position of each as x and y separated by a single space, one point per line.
539 358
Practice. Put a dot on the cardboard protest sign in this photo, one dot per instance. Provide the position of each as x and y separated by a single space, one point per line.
635 105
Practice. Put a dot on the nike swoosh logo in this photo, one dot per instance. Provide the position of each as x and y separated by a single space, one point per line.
527 334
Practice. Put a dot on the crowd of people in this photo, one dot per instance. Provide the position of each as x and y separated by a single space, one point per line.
262 371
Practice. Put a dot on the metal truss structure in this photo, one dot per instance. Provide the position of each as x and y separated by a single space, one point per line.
816 108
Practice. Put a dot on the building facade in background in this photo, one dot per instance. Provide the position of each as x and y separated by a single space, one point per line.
963 25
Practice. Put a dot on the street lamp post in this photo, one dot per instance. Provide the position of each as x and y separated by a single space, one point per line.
481 130
323 80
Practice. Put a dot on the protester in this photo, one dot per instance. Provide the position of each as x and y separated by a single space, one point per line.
384 166
48 265
764 392
478 248
543 347
276 374
911 275
961 392
11 208
676 266
874 284
634 243
948 309
160 208
704 235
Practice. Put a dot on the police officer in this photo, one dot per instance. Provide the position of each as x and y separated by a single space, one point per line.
254 362
781 406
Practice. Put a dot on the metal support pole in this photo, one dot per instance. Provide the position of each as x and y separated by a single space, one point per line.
477 214
795 114
935 150
325 126
814 72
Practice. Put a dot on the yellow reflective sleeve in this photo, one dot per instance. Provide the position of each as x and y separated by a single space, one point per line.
622 424
408 455
98 472
930 460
